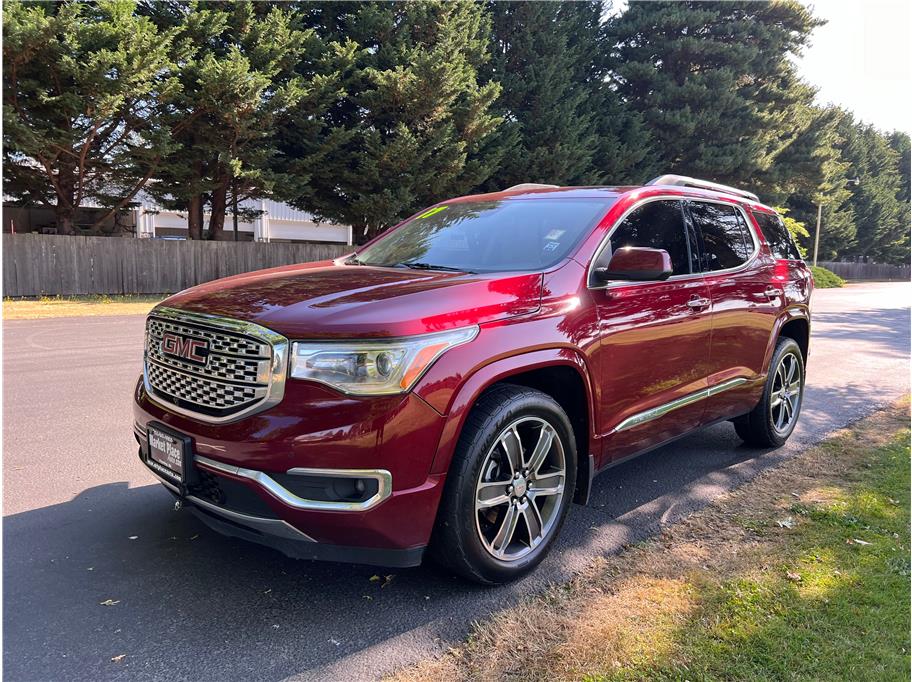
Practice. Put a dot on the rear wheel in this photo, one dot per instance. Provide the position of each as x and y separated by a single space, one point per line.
772 421
509 487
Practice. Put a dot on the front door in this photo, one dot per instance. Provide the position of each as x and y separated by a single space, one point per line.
654 336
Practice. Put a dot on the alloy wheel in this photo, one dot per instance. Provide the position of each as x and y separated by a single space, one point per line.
785 397
520 488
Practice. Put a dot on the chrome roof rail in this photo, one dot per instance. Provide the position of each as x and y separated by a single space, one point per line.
530 185
684 181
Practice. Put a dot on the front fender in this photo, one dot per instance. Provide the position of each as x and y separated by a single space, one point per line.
501 370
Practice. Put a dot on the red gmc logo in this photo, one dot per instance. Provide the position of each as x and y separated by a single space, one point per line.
187 348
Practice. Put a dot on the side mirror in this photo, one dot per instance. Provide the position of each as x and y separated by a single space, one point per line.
636 264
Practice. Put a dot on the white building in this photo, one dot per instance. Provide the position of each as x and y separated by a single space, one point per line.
147 220
276 222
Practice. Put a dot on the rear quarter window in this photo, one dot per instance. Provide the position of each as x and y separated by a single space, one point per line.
727 242
777 236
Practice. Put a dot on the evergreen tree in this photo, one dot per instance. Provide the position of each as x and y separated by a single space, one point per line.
811 171
563 123
714 81
411 123
84 87
881 215
237 62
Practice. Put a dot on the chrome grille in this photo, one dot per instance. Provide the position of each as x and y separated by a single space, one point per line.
243 372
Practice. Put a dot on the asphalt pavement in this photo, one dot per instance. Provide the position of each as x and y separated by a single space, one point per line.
84 522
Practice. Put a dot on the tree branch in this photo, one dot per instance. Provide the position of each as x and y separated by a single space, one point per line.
123 202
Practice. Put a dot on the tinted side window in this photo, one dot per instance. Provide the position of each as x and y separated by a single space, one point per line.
657 225
777 236
726 242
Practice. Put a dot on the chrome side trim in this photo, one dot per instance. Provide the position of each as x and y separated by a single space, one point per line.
383 477
660 411
277 371
268 526
673 278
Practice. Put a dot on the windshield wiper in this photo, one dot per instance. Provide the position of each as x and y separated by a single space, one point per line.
415 265
354 260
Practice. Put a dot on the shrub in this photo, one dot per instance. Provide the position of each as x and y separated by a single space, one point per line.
824 279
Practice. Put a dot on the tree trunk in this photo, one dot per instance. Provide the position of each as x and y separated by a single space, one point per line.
219 203
195 217
65 211
64 218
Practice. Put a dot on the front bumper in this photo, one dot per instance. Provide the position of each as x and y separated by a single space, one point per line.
244 468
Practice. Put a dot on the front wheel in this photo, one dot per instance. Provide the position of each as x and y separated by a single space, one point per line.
774 418
509 487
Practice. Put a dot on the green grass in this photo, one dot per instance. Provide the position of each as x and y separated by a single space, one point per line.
825 607
825 279
76 306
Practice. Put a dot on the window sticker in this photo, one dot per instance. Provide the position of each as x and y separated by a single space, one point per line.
551 246
554 235
433 211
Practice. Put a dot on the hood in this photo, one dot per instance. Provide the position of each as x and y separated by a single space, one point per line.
324 300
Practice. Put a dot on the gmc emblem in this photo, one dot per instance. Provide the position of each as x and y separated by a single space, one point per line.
185 347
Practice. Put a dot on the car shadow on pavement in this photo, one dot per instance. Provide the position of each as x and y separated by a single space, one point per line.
183 599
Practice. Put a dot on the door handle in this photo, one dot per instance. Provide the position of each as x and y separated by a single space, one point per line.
772 292
698 302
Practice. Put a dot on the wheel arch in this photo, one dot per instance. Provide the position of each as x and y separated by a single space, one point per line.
560 373
794 323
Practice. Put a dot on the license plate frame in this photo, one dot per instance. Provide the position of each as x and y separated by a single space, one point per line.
169 453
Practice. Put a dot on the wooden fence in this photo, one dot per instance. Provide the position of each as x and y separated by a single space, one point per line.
35 264
869 271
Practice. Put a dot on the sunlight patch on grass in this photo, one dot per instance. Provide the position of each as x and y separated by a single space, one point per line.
77 306
803 573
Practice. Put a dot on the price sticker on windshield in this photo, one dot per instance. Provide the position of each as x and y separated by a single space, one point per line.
433 211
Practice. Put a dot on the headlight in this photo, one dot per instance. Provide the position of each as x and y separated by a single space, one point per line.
373 367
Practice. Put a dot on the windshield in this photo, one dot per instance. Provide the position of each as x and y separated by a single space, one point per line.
488 236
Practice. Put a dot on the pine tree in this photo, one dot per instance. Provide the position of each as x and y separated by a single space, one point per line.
563 123
881 216
84 89
713 81
237 65
810 171
412 122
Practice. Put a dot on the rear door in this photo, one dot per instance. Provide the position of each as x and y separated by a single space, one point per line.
654 336
745 303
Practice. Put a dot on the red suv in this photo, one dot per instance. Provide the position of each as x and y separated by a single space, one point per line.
453 385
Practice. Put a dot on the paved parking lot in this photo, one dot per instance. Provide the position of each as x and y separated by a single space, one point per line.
84 522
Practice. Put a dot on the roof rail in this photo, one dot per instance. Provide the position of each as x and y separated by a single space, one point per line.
684 181
530 185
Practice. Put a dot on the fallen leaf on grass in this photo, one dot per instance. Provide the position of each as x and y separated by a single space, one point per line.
118 658
787 522
856 541
109 602
794 577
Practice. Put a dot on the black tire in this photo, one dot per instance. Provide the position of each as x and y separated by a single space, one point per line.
758 428
457 542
